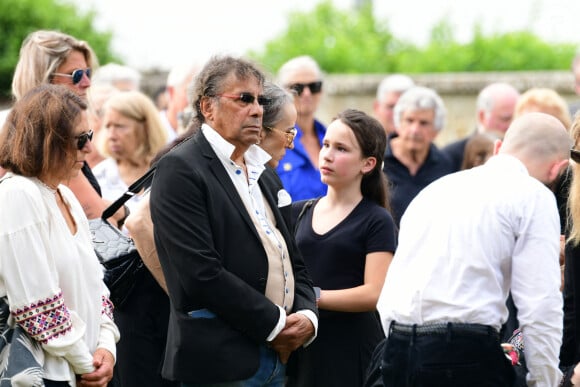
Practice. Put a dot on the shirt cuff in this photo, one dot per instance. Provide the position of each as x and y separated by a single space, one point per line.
312 317
278 328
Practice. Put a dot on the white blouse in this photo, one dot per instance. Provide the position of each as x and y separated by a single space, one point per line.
112 186
52 278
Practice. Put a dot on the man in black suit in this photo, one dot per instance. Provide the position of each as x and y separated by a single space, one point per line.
241 299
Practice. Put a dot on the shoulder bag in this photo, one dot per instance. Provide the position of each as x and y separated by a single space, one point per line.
116 251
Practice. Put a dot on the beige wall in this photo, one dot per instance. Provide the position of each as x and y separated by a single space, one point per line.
458 90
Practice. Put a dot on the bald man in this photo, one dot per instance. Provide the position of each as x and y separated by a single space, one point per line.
465 241
495 109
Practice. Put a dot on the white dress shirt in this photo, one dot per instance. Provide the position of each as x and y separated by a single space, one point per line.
465 241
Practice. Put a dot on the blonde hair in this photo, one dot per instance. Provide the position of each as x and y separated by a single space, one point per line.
40 55
574 193
544 100
139 107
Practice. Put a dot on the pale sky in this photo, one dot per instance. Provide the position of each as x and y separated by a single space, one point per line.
158 34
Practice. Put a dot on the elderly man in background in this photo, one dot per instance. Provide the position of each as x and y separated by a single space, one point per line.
298 170
412 160
388 93
495 109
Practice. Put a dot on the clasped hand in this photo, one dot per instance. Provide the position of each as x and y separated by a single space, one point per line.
297 331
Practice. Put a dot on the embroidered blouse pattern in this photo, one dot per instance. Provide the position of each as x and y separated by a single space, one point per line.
107 307
45 320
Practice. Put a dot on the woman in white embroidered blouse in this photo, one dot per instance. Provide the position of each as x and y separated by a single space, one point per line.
48 269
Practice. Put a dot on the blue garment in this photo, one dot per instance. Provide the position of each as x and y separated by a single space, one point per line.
300 177
270 373
404 186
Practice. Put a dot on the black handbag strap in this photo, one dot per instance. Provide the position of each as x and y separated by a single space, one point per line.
133 189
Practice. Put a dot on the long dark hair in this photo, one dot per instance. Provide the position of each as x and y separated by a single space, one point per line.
372 140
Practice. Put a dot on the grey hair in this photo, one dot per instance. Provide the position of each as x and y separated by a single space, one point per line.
395 83
421 98
299 62
278 98
488 95
210 80
111 73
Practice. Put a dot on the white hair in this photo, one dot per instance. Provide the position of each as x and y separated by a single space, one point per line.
299 62
111 73
395 83
421 98
181 73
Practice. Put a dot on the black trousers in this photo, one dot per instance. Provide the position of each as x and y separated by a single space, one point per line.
143 326
451 357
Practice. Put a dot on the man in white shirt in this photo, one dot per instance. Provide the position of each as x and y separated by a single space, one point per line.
465 241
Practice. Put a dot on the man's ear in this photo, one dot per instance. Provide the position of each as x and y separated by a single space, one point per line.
205 106
496 146
557 168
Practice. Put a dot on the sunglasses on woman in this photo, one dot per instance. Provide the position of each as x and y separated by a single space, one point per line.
315 87
76 75
82 139
575 155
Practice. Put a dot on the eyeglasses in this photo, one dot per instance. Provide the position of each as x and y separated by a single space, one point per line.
82 139
315 87
575 155
76 75
246 98
290 135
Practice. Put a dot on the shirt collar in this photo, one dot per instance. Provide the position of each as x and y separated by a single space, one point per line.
254 156
509 161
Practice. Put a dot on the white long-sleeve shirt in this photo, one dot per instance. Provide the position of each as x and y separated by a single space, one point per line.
465 241
52 278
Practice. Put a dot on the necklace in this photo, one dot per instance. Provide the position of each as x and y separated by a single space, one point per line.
54 190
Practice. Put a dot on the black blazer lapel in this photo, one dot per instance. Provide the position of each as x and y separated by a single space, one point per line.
218 170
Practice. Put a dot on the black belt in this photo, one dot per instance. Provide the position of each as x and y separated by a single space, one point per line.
442 329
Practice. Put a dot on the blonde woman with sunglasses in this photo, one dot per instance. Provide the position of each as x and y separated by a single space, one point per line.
52 57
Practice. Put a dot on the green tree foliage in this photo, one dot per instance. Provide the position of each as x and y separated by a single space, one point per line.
354 41
20 17
347 42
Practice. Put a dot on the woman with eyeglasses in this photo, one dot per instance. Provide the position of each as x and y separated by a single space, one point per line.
52 57
48 269
299 170
131 135
278 123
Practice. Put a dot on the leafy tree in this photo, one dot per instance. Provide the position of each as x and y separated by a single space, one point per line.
18 18
341 42
354 41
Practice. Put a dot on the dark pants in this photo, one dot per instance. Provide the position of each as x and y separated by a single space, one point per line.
143 324
451 357
52 383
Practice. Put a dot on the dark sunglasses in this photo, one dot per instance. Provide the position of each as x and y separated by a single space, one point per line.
247 98
82 139
575 155
76 75
315 87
